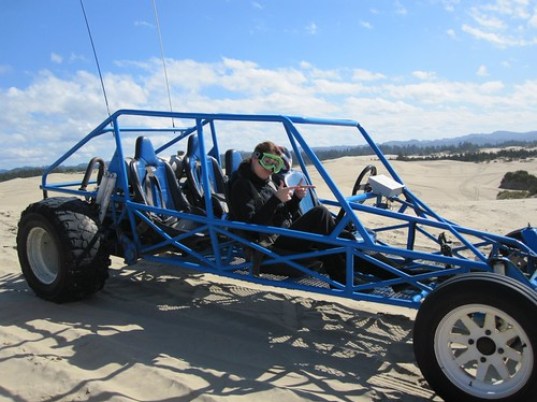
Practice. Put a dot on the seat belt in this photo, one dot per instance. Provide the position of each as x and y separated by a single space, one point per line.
153 188
153 192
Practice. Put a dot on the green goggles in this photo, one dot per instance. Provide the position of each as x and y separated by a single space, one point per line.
271 162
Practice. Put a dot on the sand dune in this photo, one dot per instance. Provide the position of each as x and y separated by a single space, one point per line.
157 333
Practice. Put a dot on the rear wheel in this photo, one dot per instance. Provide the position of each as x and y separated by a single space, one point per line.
475 339
61 250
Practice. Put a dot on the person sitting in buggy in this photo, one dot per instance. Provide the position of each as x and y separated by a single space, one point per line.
258 195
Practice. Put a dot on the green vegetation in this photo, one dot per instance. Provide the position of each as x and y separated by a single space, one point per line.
523 184
511 195
464 151
20 172
35 171
475 156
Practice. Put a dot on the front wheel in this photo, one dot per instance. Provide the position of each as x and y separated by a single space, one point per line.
475 339
61 250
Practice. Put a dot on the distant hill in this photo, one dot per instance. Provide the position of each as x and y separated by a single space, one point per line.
495 138
466 146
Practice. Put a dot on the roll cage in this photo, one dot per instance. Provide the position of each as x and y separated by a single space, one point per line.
433 248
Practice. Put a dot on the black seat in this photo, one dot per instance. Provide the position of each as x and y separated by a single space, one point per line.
232 160
194 183
153 183
177 164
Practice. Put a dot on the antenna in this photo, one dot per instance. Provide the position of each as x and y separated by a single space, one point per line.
163 61
96 58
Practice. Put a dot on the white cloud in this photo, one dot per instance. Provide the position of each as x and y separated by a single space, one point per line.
306 65
366 25
328 87
451 33
491 87
257 5
316 73
53 113
449 5
56 58
482 71
311 28
512 8
364 75
143 24
525 93
504 23
73 58
424 75
487 21
399 8
249 79
492 37
532 22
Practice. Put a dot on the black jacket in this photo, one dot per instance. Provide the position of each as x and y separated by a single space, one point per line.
254 200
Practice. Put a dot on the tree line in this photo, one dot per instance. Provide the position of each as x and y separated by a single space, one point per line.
35 171
477 156
463 151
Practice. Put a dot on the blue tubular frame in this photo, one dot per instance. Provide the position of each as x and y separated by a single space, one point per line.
223 247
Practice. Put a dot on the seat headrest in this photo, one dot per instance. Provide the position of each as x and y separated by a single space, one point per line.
144 150
233 159
287 158
192 147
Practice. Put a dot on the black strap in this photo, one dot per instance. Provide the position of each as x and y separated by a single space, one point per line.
153 191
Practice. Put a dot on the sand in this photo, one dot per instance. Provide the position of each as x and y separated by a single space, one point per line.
156 333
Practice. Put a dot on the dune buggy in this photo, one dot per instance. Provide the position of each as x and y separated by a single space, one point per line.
161 195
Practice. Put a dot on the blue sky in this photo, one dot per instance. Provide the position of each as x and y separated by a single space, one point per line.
405 69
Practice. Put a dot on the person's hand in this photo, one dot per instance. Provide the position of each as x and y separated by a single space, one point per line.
283 193
300 192
302 189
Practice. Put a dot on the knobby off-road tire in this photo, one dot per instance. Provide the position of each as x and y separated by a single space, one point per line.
61 251
475 339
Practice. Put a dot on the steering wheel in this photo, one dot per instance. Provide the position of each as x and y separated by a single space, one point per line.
369 170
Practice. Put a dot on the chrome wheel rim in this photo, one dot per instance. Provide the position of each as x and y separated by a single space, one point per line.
484 351
43 255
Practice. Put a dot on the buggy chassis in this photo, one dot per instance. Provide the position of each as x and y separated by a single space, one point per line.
461 280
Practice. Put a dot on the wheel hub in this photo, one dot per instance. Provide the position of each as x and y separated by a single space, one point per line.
43 255
486 346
